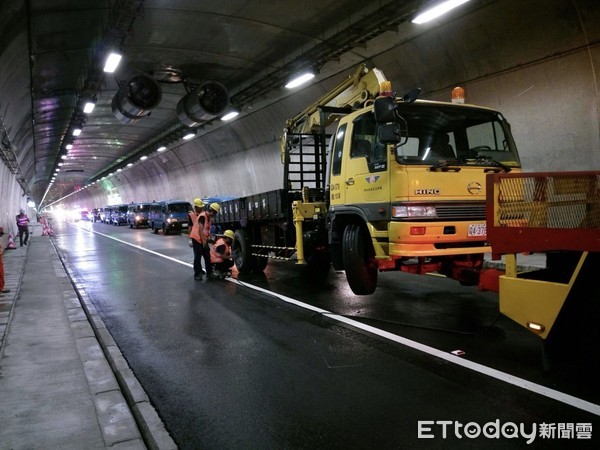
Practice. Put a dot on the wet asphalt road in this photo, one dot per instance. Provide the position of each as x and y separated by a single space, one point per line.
229 367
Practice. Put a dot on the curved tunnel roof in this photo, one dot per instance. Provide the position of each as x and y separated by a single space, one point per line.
52 56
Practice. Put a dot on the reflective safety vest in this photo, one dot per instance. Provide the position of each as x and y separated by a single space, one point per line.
22 220
215 256
195 231
206 229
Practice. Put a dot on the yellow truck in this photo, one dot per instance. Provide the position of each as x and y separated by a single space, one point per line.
375 182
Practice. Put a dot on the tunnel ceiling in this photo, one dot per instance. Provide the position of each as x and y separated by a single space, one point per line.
251 47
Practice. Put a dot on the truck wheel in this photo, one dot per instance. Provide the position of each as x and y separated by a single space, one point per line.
242 252
154 230
358 254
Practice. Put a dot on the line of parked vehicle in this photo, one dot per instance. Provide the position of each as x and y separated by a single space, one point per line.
170 216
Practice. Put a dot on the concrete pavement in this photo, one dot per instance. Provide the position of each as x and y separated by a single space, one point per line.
63 381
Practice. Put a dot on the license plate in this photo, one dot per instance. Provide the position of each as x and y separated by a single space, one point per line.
477 230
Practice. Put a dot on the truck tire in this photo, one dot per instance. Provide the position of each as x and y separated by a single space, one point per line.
241 250
358 255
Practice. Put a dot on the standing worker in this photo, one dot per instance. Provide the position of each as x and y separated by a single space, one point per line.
196 237
23 226
220 255
2 290
204 222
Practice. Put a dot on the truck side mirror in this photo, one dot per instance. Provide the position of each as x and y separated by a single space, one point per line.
384 110
389 133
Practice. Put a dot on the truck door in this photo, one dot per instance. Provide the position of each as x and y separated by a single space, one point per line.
361 175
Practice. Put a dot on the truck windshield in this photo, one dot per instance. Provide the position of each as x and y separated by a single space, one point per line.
455 134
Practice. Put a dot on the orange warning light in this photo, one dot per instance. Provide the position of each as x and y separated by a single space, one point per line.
458 95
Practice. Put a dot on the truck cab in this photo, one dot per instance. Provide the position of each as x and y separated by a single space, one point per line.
407 188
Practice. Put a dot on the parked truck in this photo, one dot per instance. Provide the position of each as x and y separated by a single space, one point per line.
374 182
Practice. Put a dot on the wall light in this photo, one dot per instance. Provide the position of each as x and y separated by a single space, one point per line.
112 62
300 80
230 115
437 11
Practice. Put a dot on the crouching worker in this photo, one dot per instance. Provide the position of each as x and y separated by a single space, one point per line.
220 255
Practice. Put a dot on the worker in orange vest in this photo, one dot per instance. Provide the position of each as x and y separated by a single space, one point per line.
196 237
204 224
220 255
2 289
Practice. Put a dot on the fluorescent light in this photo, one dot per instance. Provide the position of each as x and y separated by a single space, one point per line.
112 62
88 107
437 11
189 136
230 115
76 131
299 80
162 148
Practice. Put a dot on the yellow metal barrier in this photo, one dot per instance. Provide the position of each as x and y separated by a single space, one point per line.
542 212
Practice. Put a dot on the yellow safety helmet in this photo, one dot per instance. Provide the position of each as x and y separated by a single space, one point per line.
199 203
230 234
215 207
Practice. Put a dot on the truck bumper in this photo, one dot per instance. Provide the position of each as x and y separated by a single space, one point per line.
414 239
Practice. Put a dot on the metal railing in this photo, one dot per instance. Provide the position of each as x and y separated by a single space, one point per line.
543 211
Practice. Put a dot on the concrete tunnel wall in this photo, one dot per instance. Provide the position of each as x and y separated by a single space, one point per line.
543 76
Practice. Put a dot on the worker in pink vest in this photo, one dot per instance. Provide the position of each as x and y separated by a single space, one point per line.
23 226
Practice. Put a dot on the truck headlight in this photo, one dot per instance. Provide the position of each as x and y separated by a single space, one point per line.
414 211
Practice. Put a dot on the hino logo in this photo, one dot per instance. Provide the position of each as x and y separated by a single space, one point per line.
427 192
474 187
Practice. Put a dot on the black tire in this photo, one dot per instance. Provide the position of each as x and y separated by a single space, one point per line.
241 250
164 229
154 230
359 260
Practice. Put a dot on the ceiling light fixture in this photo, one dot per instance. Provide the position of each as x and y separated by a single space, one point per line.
230 115
143 158
76 131
69 146
88 106
437 11
112 62
189 136
300 80
162 148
